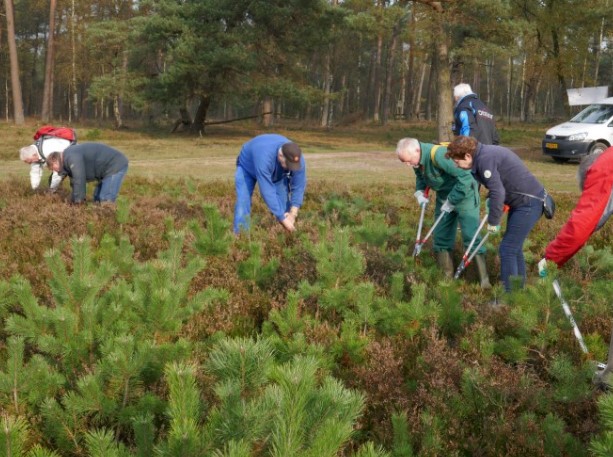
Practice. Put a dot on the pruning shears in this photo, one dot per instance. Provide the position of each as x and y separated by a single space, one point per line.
465 258
468 257
417 248
421 242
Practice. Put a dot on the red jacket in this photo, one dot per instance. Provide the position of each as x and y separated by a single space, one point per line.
590 209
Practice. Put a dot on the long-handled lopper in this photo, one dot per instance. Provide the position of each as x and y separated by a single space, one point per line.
464 263
466 258
417 247
421 242
558 291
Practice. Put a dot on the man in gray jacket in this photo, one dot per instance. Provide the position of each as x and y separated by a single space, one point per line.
87 162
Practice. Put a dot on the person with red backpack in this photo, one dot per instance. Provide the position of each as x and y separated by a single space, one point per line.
47 139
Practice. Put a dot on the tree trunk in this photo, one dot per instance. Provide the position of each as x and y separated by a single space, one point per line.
445 106
74 88
267 111
376 113
327 76
15 83
408 72
391 60
417 97
47 108
200 117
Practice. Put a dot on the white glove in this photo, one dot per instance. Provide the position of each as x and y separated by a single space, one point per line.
493 229
421 198
447 207
542 265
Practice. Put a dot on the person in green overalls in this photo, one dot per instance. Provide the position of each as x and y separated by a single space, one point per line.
457 194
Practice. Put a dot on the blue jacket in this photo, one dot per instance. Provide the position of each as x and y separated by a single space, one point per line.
506 177
258 158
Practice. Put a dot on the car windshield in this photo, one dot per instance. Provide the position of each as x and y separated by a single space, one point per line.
594 114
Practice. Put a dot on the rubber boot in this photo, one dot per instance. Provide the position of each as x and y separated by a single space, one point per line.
445 263
482 270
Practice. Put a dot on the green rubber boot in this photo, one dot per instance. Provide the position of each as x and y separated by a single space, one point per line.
482 270
445 263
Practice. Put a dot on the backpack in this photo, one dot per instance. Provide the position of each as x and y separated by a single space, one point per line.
49 131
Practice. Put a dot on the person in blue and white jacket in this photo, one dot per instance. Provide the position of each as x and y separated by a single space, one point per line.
472 117
277 165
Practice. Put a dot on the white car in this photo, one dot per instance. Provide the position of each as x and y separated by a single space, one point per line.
588 132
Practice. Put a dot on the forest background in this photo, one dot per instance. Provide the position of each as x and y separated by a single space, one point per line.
151 330
325 63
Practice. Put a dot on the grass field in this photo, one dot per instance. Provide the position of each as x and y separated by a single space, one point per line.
346 156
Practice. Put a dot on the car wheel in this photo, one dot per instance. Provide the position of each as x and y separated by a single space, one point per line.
560 159
598 148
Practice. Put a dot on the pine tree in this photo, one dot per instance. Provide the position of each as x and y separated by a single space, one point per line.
312 417
24 386
13 436
102 443
255 269
68 329
184 411
338 263
374 230
370 450
215 238
402 439
602 445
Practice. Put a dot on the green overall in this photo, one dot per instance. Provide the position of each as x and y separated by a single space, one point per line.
455 184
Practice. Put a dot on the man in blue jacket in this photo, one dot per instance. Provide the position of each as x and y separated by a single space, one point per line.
276 164
86 162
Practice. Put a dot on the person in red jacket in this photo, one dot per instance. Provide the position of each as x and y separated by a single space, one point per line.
594 207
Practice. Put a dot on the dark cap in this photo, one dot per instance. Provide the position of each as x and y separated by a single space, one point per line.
292 154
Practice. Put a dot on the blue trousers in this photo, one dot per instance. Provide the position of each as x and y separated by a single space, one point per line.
245 184
108 189
520 221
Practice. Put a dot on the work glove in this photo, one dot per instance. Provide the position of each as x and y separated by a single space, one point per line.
493 229
447 207
542 265
421 198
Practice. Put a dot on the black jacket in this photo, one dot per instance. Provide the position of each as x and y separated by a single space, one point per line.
86 162
506 177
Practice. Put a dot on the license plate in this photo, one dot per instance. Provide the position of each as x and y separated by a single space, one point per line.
551 145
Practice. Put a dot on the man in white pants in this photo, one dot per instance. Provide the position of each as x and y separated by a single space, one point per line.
31 155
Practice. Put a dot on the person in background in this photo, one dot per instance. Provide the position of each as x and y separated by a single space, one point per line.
277 165
472 117
86 162
509 182
37 158
456 194
595 206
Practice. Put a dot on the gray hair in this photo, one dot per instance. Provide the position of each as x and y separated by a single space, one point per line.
584 166
461 90
28 151
407 146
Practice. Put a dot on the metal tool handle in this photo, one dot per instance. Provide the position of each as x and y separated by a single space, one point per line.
558 291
